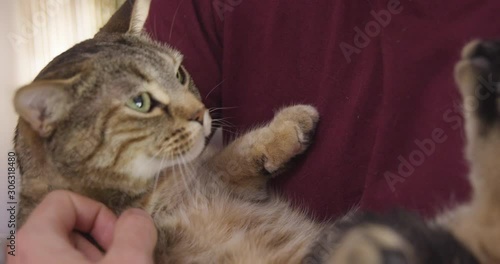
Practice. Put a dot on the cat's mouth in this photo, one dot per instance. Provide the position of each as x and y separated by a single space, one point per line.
207 124
195 139
200 131
200 137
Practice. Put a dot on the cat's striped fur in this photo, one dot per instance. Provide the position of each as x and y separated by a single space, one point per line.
78 131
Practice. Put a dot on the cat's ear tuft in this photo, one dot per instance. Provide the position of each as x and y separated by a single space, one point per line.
43 103
139 16
130 18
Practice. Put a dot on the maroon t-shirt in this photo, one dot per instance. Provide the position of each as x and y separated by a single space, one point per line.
379 71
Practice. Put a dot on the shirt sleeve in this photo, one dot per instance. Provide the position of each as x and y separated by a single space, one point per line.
194 29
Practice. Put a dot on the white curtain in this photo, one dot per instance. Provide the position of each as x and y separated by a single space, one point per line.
46 28
35 31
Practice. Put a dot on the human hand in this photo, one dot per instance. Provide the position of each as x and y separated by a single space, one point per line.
49 236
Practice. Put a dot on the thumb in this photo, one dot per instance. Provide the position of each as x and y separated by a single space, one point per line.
134 239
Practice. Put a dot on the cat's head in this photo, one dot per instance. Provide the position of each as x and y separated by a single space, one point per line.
118 102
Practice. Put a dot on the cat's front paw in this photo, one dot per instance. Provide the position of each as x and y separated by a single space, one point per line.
288 134
303 118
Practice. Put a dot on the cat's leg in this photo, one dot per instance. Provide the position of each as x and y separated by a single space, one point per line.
477 224
365 239
372 244
396 238
249 161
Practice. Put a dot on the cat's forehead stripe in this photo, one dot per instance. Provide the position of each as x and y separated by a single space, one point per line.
159 95
140 74
174 57
167 57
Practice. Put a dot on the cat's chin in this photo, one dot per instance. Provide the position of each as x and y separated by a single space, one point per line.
195 151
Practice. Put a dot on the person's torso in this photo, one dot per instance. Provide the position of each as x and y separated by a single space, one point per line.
381 74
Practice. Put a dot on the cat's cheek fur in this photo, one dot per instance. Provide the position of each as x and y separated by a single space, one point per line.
198 139
145 167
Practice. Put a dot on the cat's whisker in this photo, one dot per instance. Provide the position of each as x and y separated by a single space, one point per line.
222 118
221 108
179 176
217 125
184 179
223 122
187 174
192 172
157 176
154 156
223 125
189 166
177 171
173 20
213 89
232 133
155 28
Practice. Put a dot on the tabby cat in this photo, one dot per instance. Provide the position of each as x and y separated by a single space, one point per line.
117 118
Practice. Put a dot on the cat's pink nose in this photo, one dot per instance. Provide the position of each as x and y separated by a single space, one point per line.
198 116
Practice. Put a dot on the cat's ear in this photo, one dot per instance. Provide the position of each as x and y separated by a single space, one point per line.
130 18
140 14
43 103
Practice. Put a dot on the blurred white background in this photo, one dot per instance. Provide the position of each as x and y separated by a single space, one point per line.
9 81
32 32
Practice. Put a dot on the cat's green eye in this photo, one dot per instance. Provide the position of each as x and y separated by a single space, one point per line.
141 103
181 75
